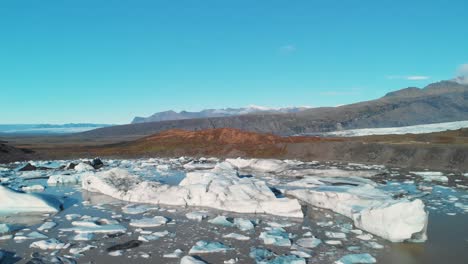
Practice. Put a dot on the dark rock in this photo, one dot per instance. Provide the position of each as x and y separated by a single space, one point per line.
97 163
126 245
28 167
71 166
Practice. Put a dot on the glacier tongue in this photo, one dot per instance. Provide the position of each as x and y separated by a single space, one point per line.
218 188
371 209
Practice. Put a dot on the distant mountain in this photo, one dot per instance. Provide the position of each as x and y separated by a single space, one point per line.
445 101
48 128
207 113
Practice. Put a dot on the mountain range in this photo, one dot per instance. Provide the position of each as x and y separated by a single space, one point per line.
443 101
208 113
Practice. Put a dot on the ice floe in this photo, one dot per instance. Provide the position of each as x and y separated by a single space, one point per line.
276 236
203 246
64 179
191 260
49 244
218 188
356 259
370 208
17 202
149 222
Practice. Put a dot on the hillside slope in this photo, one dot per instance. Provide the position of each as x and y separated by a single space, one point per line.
444 101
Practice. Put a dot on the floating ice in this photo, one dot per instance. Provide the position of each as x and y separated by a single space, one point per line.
17 202
243 224
285 259
309 242
276 236
236 236
336 235
431 176
79 250
149 222
261 165
64 179
33 188
176 254
70 217
82 167
356 258
49 244
153 236
199 216
191 260
370 208
83 236
96 228
203 246
138 209
260 254
219 188
221 220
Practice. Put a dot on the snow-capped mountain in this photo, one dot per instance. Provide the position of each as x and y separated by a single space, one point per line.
251 109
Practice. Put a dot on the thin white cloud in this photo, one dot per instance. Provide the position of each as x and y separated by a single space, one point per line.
409 77
417 78
462 74
287 49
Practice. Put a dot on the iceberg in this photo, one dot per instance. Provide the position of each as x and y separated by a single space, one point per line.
203 246
191 260
260 165
309 242
153 236
82 167
356 258
198 216
236 236
218 188
80 227
176 254
18 202
221 220
243 224
64 179
49 244
431 175
370 208
149 222
33 188
276 236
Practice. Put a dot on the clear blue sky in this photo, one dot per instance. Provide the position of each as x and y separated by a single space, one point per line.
107 61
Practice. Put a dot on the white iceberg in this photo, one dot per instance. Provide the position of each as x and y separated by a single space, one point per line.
370 208
198 216
149 222
276 236
203 246
176 254
431 175
236 236
64 179
191 260
82 167
33 188
17 202
49 244
219 188
356 259
221 220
